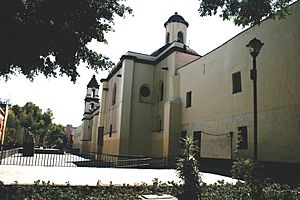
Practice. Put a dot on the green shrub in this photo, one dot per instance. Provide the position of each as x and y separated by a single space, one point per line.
218 191
249 186
248 171
188 170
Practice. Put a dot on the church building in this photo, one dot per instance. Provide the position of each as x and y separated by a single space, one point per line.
148 103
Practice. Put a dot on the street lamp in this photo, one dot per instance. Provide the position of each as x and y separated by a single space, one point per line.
254 47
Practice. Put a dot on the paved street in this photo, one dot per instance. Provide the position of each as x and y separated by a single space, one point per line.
90 176
59 169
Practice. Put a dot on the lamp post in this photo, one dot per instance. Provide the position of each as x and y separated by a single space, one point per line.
254 47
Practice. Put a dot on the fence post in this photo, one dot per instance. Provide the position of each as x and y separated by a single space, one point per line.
1 153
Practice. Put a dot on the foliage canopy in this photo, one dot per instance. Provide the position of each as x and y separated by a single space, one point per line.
49 37
39 123
245 12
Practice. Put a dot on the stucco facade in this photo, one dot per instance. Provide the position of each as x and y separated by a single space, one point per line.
216 110
148 102
3 119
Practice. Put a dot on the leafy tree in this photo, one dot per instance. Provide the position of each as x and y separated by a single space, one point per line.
45 124
30 117
56 136
188 170
245 12
49 37
249 171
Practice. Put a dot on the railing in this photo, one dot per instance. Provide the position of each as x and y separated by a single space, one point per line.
51 158
58 158
133 161
8 153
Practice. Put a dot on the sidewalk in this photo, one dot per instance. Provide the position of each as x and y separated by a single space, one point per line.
9 174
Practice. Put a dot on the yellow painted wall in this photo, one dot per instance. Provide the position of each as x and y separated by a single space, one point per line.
166 142
216 110
78 136
141 110
110 114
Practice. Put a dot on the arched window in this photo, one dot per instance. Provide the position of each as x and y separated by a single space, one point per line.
158 124
93 93
110 130
180 37
114 95
161 93
92 106
167 38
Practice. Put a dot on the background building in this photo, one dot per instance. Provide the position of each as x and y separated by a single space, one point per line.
3 119
69 129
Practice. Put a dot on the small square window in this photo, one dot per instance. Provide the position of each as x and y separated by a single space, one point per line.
242 137
188 99
236 82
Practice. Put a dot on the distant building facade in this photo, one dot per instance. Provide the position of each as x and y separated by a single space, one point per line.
69 129
78 133
3 119
149 102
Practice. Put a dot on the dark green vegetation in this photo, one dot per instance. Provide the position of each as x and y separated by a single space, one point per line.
217 191
50 36
249 186
188 170
245 12
34 121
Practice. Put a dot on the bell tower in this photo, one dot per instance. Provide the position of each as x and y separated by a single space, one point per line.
91 104
91 101
176 29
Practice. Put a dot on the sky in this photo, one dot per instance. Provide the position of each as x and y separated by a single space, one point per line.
141 32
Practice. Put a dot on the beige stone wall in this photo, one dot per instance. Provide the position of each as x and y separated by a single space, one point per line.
164 142
216 110
173 28
78 133
138 121
94 134
110 114
141 110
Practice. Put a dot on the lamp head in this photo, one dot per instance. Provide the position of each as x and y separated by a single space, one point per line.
254 47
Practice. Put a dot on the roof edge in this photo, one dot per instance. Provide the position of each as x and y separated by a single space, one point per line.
154 62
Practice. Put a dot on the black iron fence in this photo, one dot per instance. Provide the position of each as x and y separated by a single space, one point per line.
59 158
121 161
132 161
9 152
41 157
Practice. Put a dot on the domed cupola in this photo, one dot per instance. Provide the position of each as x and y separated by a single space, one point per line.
176 29
176 18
